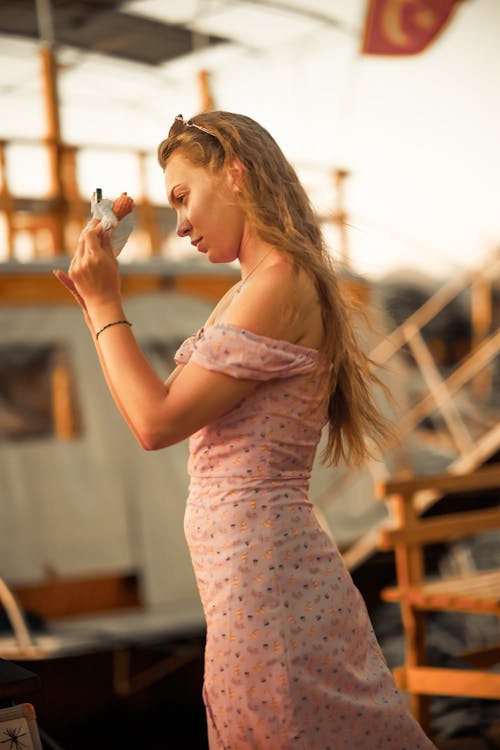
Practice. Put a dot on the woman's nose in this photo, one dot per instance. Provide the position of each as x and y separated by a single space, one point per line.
183 227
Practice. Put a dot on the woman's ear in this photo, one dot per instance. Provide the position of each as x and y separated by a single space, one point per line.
235 173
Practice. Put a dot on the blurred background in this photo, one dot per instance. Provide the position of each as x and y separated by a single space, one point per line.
415 132
390 112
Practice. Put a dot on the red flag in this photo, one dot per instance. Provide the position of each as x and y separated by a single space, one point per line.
404 27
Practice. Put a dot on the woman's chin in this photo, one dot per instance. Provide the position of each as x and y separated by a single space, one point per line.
215 257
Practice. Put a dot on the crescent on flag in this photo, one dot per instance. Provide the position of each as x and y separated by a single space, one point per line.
404 27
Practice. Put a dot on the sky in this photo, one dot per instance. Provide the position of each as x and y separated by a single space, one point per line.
418 135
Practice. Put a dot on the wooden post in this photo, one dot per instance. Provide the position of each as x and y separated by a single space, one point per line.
53 143
148 214
6 201
340 215
410 571
75 215
481 319
64 406
206 99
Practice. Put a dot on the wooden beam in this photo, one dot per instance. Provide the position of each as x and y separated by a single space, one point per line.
434 381
434 681
451 526
64 597
487 477
475 361
477 602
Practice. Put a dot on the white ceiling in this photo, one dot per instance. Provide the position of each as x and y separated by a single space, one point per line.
418 134
239 19
253 29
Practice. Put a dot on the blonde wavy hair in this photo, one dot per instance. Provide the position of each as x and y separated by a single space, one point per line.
280 211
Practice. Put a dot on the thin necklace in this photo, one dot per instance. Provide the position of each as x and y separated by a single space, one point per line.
244 281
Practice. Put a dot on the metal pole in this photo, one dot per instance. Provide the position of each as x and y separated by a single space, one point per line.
45 21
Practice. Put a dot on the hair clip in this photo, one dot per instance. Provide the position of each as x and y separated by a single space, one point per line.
190 124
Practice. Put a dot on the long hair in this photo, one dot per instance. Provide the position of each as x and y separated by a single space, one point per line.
280 211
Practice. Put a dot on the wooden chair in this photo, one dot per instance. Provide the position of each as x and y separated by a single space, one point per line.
474 592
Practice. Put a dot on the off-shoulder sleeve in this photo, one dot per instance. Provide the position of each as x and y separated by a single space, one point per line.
185 351
243 354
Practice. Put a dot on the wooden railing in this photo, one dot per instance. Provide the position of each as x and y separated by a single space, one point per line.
473 591
474 368
53 222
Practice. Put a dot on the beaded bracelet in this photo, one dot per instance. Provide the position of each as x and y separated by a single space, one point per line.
114 323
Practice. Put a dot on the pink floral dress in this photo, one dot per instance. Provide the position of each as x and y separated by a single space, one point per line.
291 660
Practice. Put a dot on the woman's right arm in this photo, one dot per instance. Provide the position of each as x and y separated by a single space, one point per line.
64 279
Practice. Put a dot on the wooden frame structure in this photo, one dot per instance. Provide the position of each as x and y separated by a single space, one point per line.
476 592
473 368
55 225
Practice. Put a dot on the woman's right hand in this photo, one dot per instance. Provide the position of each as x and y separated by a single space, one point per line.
93 277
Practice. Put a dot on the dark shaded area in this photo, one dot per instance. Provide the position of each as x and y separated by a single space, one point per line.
77 708
448 334
26 391
98 25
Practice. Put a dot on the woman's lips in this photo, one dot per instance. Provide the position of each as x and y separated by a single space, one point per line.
196 244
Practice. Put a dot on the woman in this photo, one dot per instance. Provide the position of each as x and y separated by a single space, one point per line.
291 660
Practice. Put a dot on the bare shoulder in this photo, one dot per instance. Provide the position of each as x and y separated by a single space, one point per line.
222 305
280 302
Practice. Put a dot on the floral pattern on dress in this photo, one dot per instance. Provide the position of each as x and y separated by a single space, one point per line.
291 659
